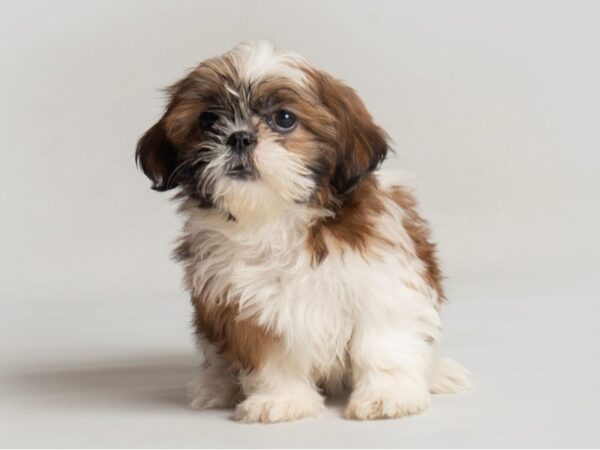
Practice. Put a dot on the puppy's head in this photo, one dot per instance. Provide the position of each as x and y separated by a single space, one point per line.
257 130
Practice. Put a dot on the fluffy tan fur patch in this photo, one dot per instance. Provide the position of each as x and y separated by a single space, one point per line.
242 342
418 231
352 225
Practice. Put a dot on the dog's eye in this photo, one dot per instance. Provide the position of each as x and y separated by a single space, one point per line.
283 121
207 119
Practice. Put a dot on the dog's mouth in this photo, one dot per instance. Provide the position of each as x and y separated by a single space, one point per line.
241 166
242 170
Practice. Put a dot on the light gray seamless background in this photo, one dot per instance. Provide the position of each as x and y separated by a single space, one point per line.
494 107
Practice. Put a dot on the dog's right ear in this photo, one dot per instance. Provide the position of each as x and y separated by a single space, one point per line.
157 157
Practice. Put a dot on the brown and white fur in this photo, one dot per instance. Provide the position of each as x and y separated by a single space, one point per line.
307 273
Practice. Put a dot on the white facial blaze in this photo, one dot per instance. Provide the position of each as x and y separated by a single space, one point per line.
257 60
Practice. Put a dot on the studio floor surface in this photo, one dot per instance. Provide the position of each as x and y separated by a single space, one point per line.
112 372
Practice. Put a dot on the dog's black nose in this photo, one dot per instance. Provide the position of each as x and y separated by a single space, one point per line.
240 141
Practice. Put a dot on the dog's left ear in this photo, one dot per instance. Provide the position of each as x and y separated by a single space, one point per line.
361 144
157 157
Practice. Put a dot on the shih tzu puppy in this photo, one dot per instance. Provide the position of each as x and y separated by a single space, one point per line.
307 273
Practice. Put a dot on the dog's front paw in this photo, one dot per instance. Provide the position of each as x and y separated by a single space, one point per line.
269 409
399 397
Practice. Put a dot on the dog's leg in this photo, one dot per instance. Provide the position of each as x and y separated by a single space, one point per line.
279 390
215 386
392 354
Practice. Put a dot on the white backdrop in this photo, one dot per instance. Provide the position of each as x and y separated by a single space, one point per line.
494 107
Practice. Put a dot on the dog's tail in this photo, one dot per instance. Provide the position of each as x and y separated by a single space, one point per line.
448 377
